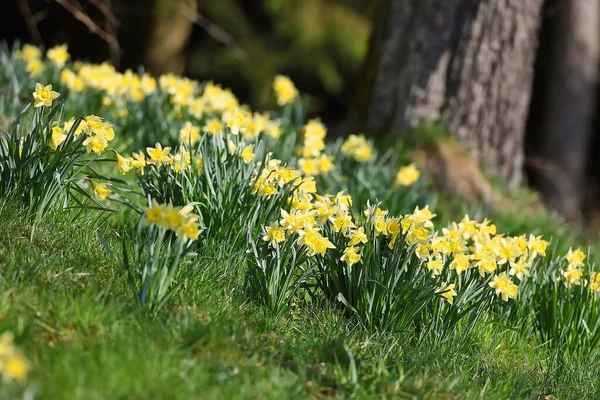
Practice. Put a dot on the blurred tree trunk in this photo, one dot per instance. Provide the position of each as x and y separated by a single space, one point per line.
154 33
568 104
468 63
171 30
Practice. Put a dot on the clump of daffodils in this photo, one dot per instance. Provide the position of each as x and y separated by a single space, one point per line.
99 133
180 220
115 86
381 266
313 135
14 366
285 90
313 160
573 274
358 148
274 176
59 55
499 261
181 90
32 56
238 120
160 156
310 216
475 245
214 99
29 52
407 175
242 120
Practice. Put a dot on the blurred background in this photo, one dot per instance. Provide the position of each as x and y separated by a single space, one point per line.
515 82
239 43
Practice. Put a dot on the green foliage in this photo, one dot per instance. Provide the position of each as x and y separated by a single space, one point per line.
275 274
566 315
221 185
386 290
15 85
34 174
158 259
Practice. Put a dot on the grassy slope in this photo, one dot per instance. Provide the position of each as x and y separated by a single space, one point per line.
71 310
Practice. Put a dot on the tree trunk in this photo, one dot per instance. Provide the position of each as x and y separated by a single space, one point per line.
468 63
171 30
567 103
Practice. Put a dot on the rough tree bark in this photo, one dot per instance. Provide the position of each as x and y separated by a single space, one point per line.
468 63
